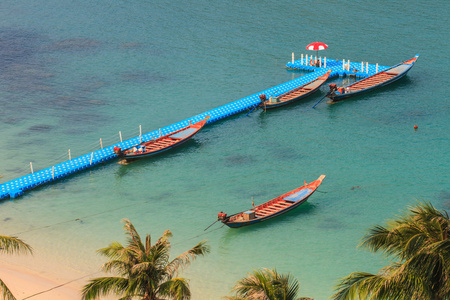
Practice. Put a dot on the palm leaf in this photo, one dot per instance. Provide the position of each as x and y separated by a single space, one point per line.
266 284
103 286
5 292
254 285
352 286
419 239
184 259
134 241
143 268
433 269
382 239
292 286
114 251
11 244
175 288
119 266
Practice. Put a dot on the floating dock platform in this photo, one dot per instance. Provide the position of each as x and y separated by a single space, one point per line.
340 68
15 188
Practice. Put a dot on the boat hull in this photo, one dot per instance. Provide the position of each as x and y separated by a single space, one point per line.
242 224
302 92
275 207
164 143
403 67
153 153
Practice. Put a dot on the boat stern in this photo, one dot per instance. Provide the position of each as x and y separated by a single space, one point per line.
222 216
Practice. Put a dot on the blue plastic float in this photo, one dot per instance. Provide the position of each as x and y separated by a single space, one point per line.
15 188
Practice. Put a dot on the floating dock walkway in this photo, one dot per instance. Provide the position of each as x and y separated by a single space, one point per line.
15 188
341 68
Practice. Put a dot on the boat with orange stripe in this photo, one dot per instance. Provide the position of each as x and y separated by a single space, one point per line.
375 81
296 94
163 143
273 208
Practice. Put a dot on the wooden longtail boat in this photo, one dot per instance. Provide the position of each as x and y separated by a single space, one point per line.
272 208
161 144
375 81
295 94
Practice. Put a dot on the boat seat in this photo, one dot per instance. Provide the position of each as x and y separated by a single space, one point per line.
298 196
184 133
398 70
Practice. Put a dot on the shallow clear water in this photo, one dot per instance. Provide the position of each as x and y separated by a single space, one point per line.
73 73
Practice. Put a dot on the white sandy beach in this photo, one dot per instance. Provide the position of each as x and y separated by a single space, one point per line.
29 284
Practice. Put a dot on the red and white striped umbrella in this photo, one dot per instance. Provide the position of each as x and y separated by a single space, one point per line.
317 46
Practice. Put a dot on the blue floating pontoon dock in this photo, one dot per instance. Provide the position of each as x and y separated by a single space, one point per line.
15 188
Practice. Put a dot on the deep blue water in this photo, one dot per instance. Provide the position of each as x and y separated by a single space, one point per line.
74 72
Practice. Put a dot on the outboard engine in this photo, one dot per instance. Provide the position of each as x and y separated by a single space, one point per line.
118 151
221 216
333 87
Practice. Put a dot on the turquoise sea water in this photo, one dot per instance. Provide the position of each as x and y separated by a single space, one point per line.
74 72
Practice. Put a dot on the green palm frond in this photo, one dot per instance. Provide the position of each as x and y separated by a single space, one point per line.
362 286
159 253
292 286
103 286
380 238
11 244
266 284
134 241
5 292
147 272
166 235
184 259
143 267
420 240
432 269
119 266
426 211
442 247
175 288
114 251
148 244
255 284
351 287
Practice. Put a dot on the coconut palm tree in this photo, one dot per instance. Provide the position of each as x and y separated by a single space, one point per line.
144 270
266 284
420 242
11 245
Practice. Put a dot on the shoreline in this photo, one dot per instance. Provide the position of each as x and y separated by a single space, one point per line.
26 283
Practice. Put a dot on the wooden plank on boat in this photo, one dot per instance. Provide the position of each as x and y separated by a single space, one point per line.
377 80
162 143
272 208
297 93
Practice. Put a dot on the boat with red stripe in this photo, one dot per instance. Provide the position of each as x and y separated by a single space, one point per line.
163 143
273 208
296 94
375 81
